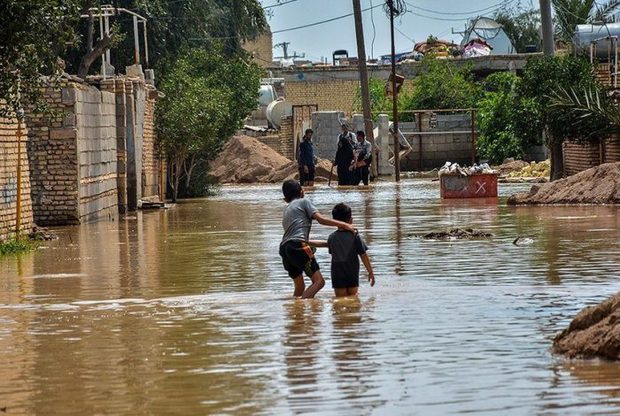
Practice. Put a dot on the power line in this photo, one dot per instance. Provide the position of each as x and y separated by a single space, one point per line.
498 5
279 4
322 21
374 32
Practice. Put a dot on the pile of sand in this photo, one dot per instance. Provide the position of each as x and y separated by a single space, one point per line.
245 159
510 165
598 185
595 332
532 170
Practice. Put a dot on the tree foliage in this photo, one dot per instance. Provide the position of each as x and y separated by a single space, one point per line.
508 124
34 34
521 26
443 85
207 96
570 13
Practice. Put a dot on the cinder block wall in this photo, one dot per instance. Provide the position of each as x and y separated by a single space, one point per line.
95 113
8 180
440 148
326 126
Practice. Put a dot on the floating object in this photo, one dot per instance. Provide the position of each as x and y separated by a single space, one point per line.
478 181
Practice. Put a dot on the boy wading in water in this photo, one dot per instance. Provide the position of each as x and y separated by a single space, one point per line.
297 255
345 248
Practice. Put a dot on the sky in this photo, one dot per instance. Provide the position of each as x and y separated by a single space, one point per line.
438 19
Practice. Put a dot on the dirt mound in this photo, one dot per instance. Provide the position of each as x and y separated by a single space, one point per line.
595 332
511 165
598 185
532 170
246 160
290 171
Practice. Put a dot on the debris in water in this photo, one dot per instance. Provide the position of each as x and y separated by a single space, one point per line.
523 241
455 234
41 234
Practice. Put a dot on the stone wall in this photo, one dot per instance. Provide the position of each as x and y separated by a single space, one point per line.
8 180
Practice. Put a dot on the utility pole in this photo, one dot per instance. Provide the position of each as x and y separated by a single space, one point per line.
284 46
390 4
361 63
547 27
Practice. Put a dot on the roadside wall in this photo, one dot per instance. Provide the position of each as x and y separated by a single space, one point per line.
437 147
73 156
151 162
579 157
8 180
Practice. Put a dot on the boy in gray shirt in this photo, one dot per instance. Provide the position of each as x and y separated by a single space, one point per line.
345 249
297 255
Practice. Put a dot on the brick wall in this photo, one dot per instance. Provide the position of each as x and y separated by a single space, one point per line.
54 168
150 156
287 147
261 49
8 180
579 157
329 95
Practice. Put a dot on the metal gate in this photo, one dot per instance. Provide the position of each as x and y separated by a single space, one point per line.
302 120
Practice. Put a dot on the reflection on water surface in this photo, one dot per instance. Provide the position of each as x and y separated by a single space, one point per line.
187 311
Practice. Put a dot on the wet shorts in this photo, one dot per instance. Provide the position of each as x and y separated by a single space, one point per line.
298 258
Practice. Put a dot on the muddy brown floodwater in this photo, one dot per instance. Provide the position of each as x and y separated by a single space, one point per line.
187 311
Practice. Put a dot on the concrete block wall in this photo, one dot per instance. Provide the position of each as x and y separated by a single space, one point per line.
95 113
440 148
8 180
326 126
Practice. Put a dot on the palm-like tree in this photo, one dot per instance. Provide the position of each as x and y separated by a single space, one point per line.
570 13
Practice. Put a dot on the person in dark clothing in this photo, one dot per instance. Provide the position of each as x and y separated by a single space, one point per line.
363 150
344 156
306 160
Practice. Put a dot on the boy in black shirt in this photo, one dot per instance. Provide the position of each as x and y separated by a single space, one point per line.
345 248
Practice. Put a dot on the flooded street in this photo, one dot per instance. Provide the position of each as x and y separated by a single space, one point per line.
188 311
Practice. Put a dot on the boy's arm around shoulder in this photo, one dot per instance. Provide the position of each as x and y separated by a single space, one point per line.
318 243
323 220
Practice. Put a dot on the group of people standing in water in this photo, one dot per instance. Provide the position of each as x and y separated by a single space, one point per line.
352 160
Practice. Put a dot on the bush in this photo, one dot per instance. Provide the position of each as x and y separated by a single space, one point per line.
444 85
508 124
16 246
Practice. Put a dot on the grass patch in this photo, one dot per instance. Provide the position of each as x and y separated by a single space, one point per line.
16 246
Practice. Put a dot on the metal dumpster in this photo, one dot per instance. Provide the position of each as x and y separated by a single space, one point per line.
479 185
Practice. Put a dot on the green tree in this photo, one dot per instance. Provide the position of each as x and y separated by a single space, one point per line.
175 26
34 34
521 26
443 85
570 13
207 97
508 124
541 78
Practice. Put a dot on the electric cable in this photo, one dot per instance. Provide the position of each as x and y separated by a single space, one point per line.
320 22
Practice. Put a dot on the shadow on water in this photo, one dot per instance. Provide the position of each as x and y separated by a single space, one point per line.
187 311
